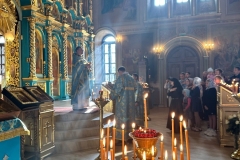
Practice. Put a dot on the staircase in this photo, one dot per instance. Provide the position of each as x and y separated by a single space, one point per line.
77 134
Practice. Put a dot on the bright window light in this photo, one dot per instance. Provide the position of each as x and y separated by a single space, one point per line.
181 1
2 40
159 2
109 39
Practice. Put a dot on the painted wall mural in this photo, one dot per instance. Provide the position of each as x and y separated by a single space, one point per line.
227 47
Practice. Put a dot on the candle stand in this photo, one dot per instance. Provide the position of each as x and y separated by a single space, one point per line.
100 102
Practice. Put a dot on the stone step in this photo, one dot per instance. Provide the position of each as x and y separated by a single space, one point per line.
76 133
87 154
71 125
75 145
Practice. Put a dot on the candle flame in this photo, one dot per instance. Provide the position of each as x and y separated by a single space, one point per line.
102 133
166 155
133 125
161 137
184 125
145 95
111 144
153 151
123 126
140 128
114 122
144 155
125 150
181 147
181 118
175 142
104 142
173 114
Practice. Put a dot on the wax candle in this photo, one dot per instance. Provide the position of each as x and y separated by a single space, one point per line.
187 142
104 149
161 145
181 135
107 145
123 126
173 115
101 144
174 155
114 136
181 152
111 149
145 110
144 156
175 148
125 153
152 152
166 155
134 147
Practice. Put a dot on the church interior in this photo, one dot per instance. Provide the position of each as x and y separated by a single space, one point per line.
159 40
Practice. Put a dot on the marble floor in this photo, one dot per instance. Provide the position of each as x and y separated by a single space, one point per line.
201 146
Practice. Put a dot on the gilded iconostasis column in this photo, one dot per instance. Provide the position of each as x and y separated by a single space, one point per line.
90 8
65 58
32 21
49 51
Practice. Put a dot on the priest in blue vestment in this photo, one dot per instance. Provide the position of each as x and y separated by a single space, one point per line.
80 81
124 94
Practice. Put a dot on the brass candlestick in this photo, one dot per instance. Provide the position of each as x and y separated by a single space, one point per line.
100 102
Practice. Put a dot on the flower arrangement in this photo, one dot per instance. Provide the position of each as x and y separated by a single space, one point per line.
233 124
145 133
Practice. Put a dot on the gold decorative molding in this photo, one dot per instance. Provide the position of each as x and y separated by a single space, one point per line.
69 88
42 85
49 50
13 133
32 21
90 9
65 58
30 7
51 89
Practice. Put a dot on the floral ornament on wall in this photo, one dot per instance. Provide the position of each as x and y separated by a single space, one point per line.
233 124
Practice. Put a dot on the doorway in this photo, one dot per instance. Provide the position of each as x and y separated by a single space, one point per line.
182 59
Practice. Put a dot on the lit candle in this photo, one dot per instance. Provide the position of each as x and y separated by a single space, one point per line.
181 152
123 126
175 148
161 144
144 156
101 144
114 136
187 143
166 155
125 153
107 146
145 110
111 149
181 135
134 148
152 152
173 115
104 148
173 156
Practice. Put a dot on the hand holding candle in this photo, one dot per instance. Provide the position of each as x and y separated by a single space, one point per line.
173 115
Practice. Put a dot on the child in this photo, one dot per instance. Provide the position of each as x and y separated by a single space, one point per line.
186 107
210 74
209 100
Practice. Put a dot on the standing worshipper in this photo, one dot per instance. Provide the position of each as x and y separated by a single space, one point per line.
80 81
139 117
176 104
196 105
209 100
182 79
124 94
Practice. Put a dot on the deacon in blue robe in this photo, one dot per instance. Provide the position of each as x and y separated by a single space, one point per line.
139 102
80 81
124 94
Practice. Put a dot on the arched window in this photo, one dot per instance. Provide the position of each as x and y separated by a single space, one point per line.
109 58
159 2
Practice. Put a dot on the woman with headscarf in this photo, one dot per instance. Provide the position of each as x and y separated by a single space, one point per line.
176 103
196 94
209 100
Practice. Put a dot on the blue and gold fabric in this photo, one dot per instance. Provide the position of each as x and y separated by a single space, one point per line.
124 94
